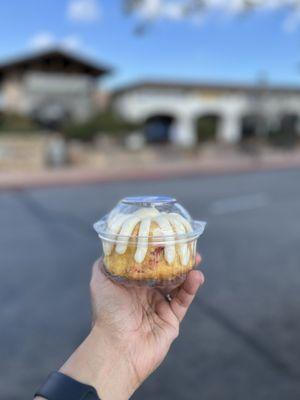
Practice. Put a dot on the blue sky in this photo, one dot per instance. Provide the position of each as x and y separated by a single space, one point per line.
222 45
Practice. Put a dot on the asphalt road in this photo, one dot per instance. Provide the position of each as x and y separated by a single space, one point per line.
241 337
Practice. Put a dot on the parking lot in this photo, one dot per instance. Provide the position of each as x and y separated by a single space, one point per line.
241 337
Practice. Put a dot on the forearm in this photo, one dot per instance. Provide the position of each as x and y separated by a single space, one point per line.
103 364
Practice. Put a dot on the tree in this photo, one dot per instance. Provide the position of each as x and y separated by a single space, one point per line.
108 122
150 11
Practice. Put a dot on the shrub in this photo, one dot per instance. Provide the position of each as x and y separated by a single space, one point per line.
14 122
284 139
207 128
108 122
286 134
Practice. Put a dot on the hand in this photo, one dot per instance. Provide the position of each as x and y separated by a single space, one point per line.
133 329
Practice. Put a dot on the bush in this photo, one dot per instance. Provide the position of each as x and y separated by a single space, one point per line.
108 122
284 139
286 134
207 128
14 122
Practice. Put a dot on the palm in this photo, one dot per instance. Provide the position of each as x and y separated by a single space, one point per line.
142 315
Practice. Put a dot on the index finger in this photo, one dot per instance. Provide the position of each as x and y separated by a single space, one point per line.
183 298
198 259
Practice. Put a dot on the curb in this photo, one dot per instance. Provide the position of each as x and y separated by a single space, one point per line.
71 177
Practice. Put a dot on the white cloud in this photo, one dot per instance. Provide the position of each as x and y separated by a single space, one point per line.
173 10
83 10
292 22
44 40
151 9
72 42
191 9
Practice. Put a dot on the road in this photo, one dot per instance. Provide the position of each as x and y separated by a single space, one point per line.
241 337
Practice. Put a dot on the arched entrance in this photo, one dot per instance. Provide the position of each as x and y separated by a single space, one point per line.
252 126
286 133
157 128
290 124
207 127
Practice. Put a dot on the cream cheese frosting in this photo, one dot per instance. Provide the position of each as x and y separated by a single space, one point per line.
169 224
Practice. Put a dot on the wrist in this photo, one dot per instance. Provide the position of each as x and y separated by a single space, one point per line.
103 363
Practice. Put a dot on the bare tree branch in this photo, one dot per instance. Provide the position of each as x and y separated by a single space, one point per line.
149 11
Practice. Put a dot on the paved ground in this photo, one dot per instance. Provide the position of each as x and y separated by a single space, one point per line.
241 338
153 164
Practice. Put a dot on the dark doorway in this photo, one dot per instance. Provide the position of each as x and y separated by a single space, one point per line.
158 129
207 127
51 115
287 132
289 124
252 126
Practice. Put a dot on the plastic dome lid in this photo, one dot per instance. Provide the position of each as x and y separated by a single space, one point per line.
141 207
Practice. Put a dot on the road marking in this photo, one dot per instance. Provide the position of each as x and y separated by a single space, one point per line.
241 203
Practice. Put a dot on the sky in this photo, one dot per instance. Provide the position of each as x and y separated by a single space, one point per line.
221 44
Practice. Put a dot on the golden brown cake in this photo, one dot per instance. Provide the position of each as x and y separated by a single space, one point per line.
149 245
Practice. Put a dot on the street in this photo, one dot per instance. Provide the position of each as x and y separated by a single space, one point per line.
240 339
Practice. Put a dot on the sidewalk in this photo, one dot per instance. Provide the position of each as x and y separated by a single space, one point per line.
160 169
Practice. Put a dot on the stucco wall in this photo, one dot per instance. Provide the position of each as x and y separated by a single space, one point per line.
73 93
187 106
35 90
12 94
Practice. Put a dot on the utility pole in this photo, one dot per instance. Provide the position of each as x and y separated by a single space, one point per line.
261 98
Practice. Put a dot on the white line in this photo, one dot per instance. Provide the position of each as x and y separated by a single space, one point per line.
236 204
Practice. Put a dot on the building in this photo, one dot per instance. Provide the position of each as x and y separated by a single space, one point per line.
50 86
55 85
183 112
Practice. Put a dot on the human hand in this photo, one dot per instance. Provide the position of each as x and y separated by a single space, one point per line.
133 329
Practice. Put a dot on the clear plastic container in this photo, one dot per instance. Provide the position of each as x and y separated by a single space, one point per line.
149 240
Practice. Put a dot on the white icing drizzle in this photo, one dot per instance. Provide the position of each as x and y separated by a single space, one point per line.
168 225
180 230
184 221
166 230
126 231
142 244
114 225
146 212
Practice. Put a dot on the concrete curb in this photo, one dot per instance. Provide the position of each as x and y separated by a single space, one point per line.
70 177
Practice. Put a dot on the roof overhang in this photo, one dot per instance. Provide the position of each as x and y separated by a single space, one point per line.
63 57
205 87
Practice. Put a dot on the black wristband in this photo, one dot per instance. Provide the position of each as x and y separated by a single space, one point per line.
61 387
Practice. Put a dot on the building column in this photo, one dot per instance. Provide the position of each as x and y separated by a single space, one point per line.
184 131
230 128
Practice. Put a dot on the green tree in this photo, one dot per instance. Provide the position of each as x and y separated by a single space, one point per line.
14 122
108 122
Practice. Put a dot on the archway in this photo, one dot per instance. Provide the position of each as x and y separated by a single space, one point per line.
252 126
207 127
157 128
290 124
286 134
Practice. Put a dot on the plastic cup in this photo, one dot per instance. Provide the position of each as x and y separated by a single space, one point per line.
149 240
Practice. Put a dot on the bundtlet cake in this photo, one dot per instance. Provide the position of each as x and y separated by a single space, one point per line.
149 240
